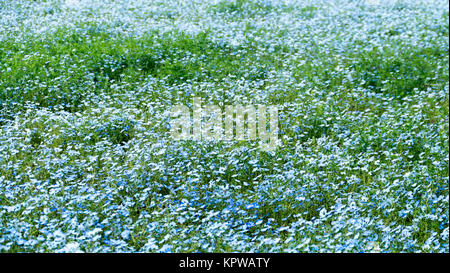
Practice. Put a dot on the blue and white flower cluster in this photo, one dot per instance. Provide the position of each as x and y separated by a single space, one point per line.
87 163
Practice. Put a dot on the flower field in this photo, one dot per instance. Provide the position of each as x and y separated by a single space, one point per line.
87 163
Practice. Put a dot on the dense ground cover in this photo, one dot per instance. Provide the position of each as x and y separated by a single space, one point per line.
87 162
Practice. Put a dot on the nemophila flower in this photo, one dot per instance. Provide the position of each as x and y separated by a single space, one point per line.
87 162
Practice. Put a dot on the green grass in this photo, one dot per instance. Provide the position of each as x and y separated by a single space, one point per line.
90 61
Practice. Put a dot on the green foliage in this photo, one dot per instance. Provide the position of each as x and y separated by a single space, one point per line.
400 72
